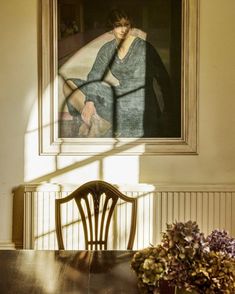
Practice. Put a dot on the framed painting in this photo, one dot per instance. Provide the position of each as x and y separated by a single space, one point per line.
118 77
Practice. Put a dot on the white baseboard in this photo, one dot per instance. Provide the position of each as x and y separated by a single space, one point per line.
7 245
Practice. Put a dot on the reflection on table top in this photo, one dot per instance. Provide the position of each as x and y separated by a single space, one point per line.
27 271
67 272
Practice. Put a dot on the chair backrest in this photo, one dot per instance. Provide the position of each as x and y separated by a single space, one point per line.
95 230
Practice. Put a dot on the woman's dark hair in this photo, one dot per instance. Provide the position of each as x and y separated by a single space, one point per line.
115 16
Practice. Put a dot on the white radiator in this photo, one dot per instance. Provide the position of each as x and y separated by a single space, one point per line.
211 206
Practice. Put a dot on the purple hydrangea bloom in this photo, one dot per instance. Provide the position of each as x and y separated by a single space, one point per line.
220 241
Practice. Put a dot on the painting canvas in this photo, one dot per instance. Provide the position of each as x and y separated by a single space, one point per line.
118 76
131 80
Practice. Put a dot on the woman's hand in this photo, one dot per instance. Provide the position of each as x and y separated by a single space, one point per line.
88 111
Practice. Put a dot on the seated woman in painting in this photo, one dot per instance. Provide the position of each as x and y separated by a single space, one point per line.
133 107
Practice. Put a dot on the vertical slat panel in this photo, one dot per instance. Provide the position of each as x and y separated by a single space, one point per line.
73 227
222 209
35 202
170 207
151 218
28 225
199 212
141 222
46 217
147 220
65 225
119 225
135 194
176 206
217 216
69 223
187 208
228 211
125 226
164 211
122 228
193 206
233 214
51 196
211 209
205 212
43 220
181 207
40 219
158 216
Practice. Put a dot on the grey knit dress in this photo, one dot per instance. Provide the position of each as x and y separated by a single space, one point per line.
133 107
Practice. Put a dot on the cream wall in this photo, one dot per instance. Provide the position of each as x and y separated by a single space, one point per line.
19 160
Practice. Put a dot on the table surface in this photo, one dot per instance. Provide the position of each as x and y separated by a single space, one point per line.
67 272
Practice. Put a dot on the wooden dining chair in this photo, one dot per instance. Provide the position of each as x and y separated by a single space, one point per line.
96 219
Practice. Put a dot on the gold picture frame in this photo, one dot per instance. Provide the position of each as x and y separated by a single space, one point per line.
49 141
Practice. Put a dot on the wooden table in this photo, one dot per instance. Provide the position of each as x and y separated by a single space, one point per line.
67 272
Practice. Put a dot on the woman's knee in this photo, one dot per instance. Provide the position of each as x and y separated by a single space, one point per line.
69 87
66 90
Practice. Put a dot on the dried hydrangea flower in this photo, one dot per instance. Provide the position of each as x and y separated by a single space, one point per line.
187 260
219 240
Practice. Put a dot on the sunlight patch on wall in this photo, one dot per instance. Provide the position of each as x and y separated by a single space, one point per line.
121 169
77 173
35 166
